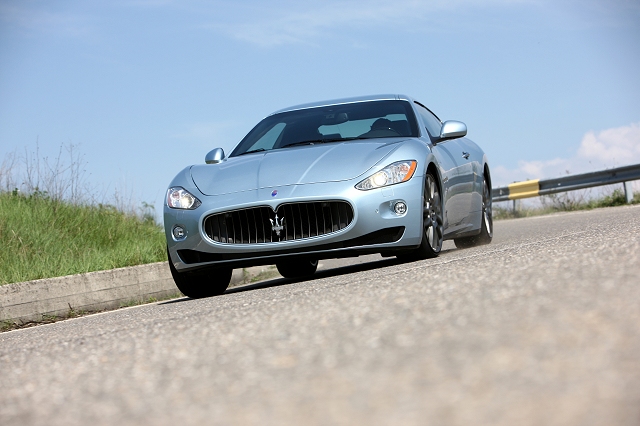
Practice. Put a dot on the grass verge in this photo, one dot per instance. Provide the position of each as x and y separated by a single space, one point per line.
44 237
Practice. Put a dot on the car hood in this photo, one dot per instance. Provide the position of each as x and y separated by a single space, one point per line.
301 165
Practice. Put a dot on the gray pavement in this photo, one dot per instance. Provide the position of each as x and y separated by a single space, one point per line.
539 328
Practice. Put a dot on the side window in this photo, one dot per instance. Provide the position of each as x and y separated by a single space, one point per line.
431 121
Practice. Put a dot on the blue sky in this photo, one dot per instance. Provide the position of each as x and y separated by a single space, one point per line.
146 87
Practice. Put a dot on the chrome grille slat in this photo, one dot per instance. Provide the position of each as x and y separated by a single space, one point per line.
287 212
301 223
244 237
334 215
298 220
224 229
246 217
296 224
324 219
233 227
260 235
315 217
218 227
306 208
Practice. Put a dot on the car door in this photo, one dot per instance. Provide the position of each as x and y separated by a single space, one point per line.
456 173
473 168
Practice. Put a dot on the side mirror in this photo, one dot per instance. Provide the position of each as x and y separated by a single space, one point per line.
214 156
452 130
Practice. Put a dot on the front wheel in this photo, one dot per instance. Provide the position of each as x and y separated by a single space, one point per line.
432 222
201 283
297 268
486 228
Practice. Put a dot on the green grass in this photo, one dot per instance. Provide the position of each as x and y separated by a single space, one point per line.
565 202
43 238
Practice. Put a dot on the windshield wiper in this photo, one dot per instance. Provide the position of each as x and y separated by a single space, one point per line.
252 151
315 141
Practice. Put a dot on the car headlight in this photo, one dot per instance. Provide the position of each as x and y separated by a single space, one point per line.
400 171
180 198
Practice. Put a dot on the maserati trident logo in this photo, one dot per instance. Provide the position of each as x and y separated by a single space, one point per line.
277 226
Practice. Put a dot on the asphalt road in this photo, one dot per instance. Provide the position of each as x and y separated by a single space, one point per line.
542 327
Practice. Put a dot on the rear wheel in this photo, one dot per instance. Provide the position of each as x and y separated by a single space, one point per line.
201 283
297 268
486 228
432 222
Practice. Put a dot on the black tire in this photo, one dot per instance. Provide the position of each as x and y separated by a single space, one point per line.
432 222
486 228
297 268
201 283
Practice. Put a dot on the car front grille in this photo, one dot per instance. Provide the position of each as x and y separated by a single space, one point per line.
293 221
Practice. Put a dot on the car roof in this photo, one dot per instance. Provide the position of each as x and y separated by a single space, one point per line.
345 101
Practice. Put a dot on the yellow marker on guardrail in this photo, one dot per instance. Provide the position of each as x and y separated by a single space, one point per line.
528 188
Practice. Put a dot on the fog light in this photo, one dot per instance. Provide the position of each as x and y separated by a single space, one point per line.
178 232
400 208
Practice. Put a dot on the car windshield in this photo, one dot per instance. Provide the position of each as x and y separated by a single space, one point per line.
335 123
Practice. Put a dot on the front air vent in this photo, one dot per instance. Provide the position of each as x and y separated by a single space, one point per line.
292 221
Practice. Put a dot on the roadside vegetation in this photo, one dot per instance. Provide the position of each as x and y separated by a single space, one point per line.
563 202
43 237
52 224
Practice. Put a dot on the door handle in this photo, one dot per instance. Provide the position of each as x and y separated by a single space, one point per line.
465 155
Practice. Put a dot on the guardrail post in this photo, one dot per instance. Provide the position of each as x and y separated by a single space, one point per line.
628 192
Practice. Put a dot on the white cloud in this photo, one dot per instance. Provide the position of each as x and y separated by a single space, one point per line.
608 148
613 146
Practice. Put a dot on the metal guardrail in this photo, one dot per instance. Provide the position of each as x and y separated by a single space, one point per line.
537 187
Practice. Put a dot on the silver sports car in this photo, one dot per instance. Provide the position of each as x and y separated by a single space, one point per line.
376 174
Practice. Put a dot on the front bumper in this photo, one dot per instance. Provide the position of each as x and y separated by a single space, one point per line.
375 227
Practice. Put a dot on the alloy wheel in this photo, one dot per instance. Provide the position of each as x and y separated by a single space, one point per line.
432 215
487 212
